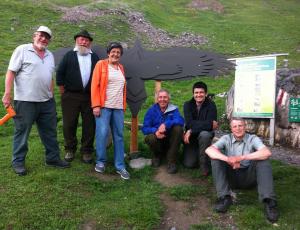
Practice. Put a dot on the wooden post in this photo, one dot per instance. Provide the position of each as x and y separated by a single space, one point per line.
134 128
157 88
272 131
134 135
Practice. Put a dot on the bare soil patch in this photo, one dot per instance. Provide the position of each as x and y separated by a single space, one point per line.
170 180
183 214
290 156
104 176
88 225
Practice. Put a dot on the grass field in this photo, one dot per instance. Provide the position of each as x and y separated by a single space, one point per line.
70 199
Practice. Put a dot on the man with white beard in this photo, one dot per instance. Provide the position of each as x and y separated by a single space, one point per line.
31 69
73 76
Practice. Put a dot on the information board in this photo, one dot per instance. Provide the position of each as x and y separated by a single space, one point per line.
294 110
255 86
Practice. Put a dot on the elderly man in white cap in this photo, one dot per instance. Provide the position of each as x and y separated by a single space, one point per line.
31 69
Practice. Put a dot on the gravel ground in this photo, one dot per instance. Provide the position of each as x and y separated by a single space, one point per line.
156 37
287 155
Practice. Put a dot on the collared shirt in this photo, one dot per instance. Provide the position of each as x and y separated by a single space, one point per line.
33 80
198 107
229 146
85 65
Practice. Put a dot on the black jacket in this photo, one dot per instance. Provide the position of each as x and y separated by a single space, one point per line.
202 121
68 73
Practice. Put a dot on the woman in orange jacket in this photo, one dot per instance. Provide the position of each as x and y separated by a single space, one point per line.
108 96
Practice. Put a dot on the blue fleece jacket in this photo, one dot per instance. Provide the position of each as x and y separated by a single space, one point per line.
155 117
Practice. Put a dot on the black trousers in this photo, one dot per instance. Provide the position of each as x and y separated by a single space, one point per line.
168 146
74 104
194 152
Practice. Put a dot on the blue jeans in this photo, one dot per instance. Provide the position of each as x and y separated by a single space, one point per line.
44 115
114 119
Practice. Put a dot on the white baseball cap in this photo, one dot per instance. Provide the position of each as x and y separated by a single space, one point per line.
45 29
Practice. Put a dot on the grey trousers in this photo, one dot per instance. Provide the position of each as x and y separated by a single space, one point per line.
194 153
259 174
43 114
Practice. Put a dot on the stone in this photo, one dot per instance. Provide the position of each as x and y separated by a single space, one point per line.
140 163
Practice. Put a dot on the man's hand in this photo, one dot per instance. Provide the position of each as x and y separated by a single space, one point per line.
235 161
186 136
9 81
161 131
215 125
159 135
6 100
162 128
236 165
97 111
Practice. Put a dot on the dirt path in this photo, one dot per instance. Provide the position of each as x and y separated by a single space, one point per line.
183 214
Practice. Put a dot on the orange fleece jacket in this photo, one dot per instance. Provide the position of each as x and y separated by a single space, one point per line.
99 84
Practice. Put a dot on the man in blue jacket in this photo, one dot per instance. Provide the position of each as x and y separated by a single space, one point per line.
163 127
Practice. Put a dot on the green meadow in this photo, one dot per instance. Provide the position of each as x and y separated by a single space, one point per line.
77 197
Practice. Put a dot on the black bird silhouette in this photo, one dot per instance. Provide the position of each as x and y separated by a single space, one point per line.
170 64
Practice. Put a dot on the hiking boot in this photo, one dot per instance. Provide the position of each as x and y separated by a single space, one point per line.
172 169
271 211
124 174
223 204
204 169
100 167
87 158
20 170
155 162
58 164
69 156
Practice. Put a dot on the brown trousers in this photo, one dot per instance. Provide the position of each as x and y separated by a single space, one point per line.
168 146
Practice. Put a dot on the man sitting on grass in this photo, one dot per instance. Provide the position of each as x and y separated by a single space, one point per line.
163 127
240 160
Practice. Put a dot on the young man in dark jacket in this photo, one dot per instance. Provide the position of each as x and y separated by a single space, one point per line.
73 77
200 114
163 127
